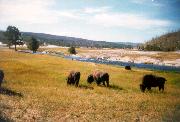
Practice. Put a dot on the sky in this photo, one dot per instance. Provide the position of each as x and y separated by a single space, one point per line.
102 20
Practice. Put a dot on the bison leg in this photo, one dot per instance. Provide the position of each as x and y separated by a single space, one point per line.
104 83
107 82
149 88
68 81
77 83
144 88
98 81
161 87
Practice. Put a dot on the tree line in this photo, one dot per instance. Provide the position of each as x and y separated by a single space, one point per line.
167 42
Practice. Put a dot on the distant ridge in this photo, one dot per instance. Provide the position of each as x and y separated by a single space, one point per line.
68 41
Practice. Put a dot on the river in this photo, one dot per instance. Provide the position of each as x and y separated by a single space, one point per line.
120 63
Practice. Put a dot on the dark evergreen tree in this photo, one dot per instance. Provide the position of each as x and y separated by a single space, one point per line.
13 35
33 44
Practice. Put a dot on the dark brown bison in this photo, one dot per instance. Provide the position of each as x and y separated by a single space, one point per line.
99 77
1 77
128 67
152 81
73 78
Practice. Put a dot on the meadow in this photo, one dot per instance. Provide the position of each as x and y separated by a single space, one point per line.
35 89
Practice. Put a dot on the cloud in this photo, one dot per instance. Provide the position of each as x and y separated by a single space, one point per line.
68 14
92 10
41 12
127 21
18 11
31 12
139 1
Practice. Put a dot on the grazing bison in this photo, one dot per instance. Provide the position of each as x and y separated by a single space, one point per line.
1 77
73 78
128 67
99 77
152 81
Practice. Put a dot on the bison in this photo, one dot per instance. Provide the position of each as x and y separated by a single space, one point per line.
99 77
1 77
152 81
73 78
128 67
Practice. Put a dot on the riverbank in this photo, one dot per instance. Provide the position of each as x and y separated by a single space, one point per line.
141 59
102 60
123 55
135 56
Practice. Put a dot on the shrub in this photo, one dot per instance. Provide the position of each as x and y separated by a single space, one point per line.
72 50
33 44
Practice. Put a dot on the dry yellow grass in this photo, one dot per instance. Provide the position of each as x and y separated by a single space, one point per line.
45 97
167 56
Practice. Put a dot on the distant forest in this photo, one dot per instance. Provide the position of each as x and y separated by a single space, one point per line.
67 41
167 42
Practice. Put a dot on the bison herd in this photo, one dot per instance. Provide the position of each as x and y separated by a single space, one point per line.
103 77
99 77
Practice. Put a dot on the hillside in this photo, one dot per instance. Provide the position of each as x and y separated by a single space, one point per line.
166 42
35 89
67 41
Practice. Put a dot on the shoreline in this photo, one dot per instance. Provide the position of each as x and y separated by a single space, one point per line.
134 56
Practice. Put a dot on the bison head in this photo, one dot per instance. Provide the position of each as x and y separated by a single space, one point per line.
142 87
90 79
163 79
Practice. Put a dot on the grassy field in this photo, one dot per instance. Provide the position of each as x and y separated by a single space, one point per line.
35 90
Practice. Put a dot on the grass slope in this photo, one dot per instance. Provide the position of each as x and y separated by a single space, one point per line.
35 90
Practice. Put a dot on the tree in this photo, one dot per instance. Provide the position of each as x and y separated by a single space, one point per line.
33 44
72 50
13 35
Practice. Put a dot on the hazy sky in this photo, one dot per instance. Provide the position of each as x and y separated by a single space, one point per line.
109 20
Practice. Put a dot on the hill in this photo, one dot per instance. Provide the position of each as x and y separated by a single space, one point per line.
68 41
166 42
